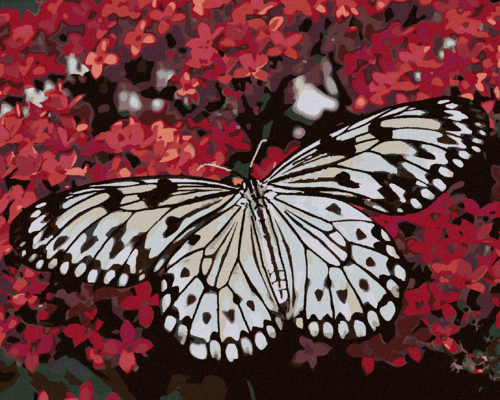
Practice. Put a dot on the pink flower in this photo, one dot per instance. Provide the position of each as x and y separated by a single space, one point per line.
86 392
98 59
202 52
312 350
443 336
6 325
37 342
127 347
142 302
252 66
137 38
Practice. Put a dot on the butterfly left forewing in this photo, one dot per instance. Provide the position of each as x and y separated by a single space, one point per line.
115 232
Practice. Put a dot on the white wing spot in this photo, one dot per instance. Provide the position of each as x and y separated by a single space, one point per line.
359 329
39 264
400 272
393 288
231 352
343 329
170 323
416 204
476 149
327 330
439 184
427 194
458 163
448 173
271 332
110 275
314 328
198 351
122 281
299 322
373 320
182 333
92 277
215 350
464 155
246 346
64 267
260 340
165 303
388 311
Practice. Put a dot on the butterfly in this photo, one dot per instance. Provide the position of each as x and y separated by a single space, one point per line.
237 261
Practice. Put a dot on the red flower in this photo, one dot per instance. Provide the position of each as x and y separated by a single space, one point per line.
443 336
284 45
76 332
166 17
37 342
442 301
98 59
86 392
137 38
252 66
418 301
6 325
121 138
127 347
188 87
27 289
143 302
312 350
464 276
96 352
274 156
202 52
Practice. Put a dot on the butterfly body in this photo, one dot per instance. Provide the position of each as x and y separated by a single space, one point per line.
236 262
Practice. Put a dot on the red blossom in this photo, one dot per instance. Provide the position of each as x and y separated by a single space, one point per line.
6 325
274 156
166 16
284 45
37 342
86 392
418 301
443 336
27 289
442 301
136 39
76 332
312 350
460 274
188 87
142 302
96 60
127 347
203 53
252 66
96 352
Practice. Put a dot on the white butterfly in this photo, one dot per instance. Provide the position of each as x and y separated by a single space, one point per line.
237 261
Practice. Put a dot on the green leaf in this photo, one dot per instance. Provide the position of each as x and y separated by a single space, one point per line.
252 393
175 395
264 99
242 168
266 132
296 117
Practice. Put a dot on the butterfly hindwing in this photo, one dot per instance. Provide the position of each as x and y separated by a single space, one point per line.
348 275
395 161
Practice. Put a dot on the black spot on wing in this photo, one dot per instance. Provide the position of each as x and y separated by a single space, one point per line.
345 180
163 190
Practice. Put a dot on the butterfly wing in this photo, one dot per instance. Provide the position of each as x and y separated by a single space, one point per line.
343 272
394 161
187 230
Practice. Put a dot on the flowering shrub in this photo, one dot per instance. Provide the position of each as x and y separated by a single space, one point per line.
96 91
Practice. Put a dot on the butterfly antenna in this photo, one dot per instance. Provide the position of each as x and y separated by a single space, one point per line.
256 152
213 165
